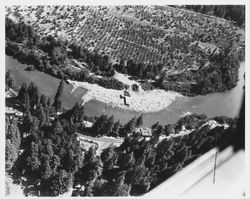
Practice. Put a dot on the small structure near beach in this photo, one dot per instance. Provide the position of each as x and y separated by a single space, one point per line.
86 144
126 93
124 97
87 124
146 133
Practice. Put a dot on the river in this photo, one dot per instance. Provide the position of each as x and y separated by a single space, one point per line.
217 104
46 84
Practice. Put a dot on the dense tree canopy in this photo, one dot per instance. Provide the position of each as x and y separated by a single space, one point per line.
54 161
52 158
9 80
232 12
12 140
221 72
57 100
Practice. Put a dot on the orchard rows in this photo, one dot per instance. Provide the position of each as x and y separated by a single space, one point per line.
146 34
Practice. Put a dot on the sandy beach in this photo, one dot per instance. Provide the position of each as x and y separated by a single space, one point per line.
141 101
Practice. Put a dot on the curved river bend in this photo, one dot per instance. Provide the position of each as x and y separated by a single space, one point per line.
217 104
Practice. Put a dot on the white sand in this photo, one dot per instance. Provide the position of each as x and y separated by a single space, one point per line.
142 101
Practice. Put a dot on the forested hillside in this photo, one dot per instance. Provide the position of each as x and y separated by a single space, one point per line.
60 59
229 12
45 156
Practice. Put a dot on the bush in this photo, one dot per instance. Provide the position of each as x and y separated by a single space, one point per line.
135 87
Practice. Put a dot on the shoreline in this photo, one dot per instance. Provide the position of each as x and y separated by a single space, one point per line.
142 101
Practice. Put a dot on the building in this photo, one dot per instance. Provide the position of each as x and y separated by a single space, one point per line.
87 124
146 133
126 93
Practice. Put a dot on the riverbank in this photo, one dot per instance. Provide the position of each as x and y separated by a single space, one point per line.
227 103
141 101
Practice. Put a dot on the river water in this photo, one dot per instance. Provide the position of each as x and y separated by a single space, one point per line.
217 104
46 84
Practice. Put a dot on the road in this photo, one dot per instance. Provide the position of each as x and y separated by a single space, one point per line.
102 139
103 142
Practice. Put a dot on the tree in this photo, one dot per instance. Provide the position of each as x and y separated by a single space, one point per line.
22 92
159 131
154 126
48 171
13 141
89 155
68 127
122 66
77 114
43 101
128 128
99 187
9 79
116 128
110 70
138 177
99 125
12 131
109 157
165 150
57 100
109 125
11 154
57 127
88 191
41 115
26 104
127 160
182 154
61 182
27 121
139 121
33 162
69 161
135 87
150 156
33 94
48 103
97 168
55 163
91 171
78 158
170 170
169 129
117 187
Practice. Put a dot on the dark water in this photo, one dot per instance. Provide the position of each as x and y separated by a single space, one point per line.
227 103
217 104
46 84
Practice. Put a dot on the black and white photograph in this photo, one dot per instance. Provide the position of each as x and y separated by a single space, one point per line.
141 99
